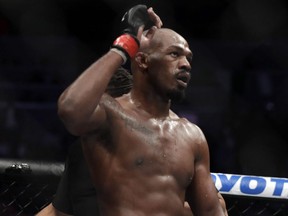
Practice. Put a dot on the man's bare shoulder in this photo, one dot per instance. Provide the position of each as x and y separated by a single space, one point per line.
123 98
183 120
191 127
113 102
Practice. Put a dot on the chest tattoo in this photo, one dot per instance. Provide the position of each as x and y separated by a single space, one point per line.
132 124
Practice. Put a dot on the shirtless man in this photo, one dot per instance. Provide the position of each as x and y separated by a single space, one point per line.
143 158
75 193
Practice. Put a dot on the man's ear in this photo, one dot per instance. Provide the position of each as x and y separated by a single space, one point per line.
141 58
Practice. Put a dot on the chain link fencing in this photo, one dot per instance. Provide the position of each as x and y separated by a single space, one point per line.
27 187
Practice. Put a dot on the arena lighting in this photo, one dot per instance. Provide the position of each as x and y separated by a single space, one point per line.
247 185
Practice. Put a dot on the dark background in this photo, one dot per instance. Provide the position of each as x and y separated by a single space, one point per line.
238 92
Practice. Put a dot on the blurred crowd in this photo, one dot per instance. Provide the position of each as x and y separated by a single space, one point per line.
238 92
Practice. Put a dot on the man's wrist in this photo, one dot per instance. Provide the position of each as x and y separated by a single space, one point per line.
128 44
121 53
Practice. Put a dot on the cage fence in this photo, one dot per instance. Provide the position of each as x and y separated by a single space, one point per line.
28 186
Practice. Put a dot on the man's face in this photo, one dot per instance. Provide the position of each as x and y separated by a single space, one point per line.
169 65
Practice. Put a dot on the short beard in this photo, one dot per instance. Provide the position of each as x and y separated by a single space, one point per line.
176 95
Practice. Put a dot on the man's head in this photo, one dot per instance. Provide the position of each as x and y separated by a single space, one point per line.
120 83
164 61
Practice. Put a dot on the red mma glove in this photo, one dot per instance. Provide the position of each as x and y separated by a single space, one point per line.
132 20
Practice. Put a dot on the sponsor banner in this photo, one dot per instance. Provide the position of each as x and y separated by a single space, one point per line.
245 185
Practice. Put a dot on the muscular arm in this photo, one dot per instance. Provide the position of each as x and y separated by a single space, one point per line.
201 194
188 212
222 203
77 104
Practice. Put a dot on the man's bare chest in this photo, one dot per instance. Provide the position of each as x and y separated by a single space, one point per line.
157 146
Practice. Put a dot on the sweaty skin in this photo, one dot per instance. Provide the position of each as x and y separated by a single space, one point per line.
144 160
